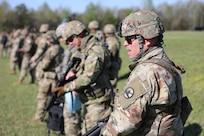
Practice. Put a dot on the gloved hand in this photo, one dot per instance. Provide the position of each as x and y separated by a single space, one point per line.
59 90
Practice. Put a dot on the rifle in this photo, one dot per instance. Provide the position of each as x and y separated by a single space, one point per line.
60 82
34 64
95 131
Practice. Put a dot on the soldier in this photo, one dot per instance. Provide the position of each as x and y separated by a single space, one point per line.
41 49
150 103
114 45
28 49
95 30
92 81
72 120
14 60
48 64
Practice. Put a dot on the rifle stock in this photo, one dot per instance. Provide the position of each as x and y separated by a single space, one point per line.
95 131
60 82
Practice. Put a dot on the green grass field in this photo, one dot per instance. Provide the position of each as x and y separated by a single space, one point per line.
18 102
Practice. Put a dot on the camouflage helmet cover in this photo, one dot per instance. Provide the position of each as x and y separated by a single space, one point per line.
109 28
51 35
59 29
145 23
44 28
93 24
72 28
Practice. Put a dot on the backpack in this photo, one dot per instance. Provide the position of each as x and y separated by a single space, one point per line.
55 119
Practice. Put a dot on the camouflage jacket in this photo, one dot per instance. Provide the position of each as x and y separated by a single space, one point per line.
41 47
92 78
148 104
51 60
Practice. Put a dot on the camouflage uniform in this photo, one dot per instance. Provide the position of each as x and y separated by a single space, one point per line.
41 49
72 120
114 45
28 51
14 51
94 25
48 64
92 82
150 102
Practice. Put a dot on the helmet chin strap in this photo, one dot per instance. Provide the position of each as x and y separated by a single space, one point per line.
141 45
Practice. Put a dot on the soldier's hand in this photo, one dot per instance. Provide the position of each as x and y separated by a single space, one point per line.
59 90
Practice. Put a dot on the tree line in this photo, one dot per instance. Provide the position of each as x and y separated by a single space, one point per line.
179 16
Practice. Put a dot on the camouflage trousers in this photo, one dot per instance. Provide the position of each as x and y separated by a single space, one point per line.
44 91
25 70
93 113
72 121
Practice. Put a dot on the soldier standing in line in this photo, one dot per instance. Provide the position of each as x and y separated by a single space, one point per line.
94 29
114 45
13 62
151 101
52 58
28 49
41 49
72 120
92 80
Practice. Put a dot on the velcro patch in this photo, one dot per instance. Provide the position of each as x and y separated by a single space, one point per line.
133 90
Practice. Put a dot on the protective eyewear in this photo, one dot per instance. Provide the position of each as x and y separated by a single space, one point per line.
70 39
130 39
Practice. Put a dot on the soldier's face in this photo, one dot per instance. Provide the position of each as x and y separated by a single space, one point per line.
75 41
132 46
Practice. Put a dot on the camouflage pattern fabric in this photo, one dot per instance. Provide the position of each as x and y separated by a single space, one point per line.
13 62
48 65
147 106
114 48
27 49
92 82
42 47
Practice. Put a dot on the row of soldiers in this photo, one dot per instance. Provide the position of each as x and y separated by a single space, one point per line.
95 78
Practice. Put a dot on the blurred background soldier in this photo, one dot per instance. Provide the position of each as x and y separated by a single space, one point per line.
48 64
41 49
3 42
14 60
94 29
92 80
114 45
28 49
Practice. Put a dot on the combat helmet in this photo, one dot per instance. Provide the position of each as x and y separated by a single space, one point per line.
109 28
51 36
93 24
145 23
72 28
44 28
59 29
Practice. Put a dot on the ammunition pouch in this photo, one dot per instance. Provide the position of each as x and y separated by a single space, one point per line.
50 75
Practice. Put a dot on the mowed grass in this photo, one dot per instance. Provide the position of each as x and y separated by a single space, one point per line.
18 102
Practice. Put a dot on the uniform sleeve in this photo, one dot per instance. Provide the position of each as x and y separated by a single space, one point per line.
112 47
129 111
50 54
92 68
27 45
41 47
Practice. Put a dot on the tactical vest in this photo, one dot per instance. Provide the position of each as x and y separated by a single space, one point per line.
93 91
182 105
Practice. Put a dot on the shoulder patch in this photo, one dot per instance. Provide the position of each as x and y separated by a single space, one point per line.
133 90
